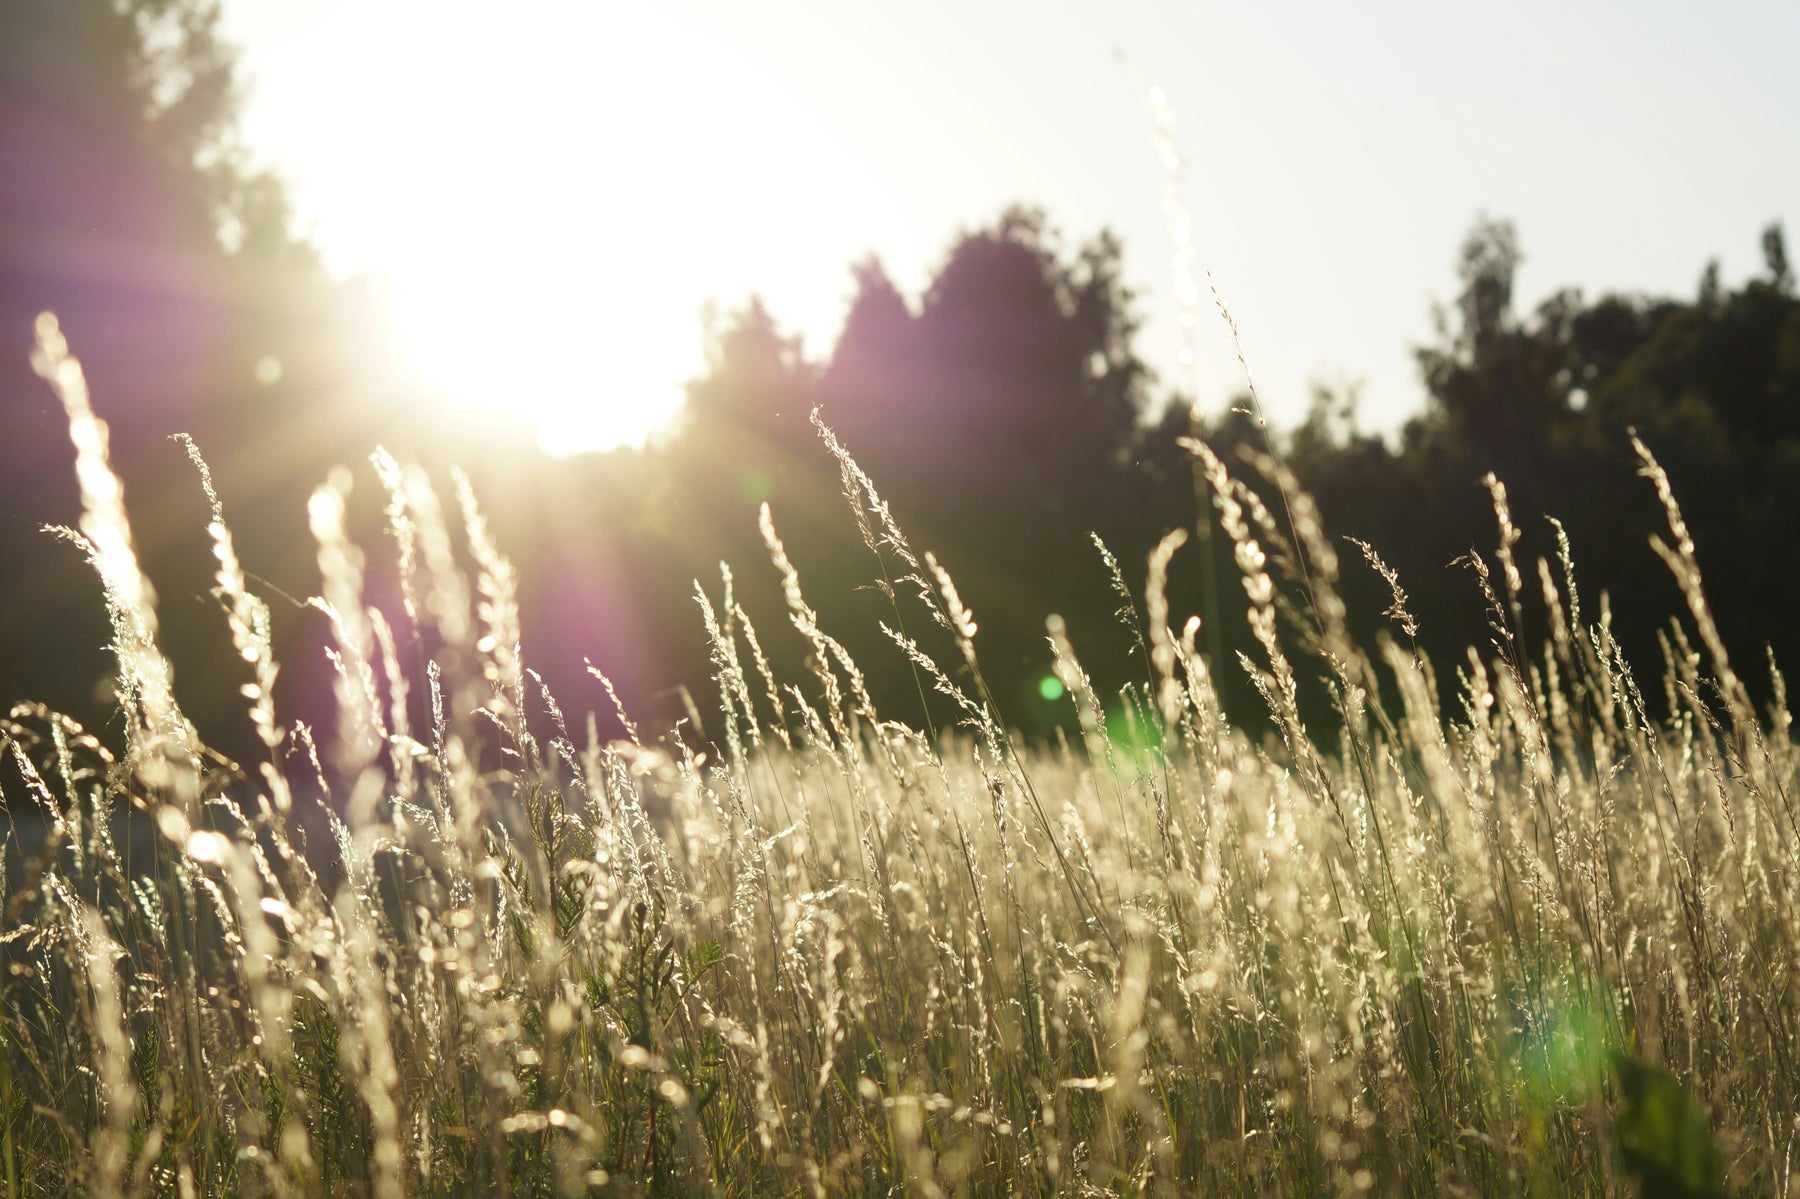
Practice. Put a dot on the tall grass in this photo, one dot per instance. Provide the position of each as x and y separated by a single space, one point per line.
1544 947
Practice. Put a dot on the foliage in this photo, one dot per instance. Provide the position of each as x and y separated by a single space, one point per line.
134 211
1010 387
1548 402
1013 390
1664 1136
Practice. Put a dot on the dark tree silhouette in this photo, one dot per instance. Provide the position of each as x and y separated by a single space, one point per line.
1004 413
1774 248
1547 402
114 123
129 209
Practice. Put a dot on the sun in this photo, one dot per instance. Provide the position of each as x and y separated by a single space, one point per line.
553 200
536 334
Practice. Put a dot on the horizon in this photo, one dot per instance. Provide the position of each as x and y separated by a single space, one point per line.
1632 153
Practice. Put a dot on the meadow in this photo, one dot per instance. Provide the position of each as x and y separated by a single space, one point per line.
1521 924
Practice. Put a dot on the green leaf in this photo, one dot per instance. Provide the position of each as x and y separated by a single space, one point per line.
1664 1135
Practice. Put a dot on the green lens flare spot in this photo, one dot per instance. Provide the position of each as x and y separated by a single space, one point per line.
1562 1053
1130 735
1050 687
756 486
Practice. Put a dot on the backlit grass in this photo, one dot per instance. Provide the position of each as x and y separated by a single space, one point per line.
1545 946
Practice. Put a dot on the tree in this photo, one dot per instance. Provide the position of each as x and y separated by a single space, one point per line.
998 420
1547 400
873 368
130 209
1774 248
1016 380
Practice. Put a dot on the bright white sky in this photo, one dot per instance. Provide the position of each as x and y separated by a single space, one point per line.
554 189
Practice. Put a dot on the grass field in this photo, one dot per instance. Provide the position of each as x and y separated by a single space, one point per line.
1545 946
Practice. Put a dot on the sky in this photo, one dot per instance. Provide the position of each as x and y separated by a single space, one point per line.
555 193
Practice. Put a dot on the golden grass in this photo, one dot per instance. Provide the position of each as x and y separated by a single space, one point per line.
1421 956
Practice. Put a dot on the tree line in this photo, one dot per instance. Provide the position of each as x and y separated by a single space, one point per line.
1010 422
1004 414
